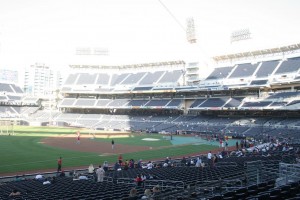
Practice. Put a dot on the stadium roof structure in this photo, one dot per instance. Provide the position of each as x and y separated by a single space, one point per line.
290 49
133 66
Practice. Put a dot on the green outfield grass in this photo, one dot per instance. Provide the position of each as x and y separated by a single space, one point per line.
24 152
25 130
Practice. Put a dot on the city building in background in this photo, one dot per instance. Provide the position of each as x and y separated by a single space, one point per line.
8 76
41 80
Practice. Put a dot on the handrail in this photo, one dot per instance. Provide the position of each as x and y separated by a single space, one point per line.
125 180
226 164
164 183
212 184
108 179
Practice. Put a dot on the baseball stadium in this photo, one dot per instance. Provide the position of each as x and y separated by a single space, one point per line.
225 128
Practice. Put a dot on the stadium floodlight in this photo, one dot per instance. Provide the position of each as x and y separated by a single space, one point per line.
83 51
242 34
89 51
190 31
101 51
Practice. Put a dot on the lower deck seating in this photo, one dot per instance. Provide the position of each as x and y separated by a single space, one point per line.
185 183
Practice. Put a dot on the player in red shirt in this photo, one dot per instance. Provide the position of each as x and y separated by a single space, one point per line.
59 163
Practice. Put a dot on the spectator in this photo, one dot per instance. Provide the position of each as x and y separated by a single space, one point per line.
91 169
183 161
126 167
167 160
284 148
150 177
100 173
131 163
47 181
147 194
15 192
120 158
156 192
158 165
239 153
138 180
75 175
40 178
62 174
149 165
105 166
198 162
139 164
143 176
216 158
133 194
209 156
213 161
220 155
117 166
82 177
189 160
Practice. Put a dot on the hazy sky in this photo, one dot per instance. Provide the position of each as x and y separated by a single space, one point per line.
138 31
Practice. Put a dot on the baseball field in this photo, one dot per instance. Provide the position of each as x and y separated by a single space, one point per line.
36 149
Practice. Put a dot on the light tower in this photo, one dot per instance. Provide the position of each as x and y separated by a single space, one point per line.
238 35
192 67
190 30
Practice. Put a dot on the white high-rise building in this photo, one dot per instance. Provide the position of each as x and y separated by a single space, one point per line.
41 80
9 76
